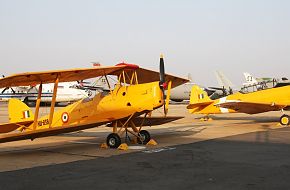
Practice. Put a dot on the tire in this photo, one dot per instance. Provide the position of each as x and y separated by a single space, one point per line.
144 137
285 120
113 140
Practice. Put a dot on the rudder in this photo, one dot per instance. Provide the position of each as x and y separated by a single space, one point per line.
19 111
198 95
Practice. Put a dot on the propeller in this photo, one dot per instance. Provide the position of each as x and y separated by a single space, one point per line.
163 85
162 70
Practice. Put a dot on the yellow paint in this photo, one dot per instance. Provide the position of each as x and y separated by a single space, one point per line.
123 146
16 110
285 120
168 97
122 102
152 142
200 103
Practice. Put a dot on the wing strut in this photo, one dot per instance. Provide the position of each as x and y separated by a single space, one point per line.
53 101
37 106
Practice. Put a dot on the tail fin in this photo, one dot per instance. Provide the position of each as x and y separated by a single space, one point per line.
189 77
19 112
223 81
198 98
249 78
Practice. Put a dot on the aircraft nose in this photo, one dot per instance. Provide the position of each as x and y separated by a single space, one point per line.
158 95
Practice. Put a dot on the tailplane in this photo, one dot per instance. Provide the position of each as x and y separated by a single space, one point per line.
19 111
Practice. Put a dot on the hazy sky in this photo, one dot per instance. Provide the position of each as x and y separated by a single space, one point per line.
196 36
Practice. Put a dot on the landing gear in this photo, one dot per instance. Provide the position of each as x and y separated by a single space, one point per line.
125 128
113 140
285 119
143 137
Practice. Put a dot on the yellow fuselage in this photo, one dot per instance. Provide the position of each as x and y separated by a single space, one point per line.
279 96
120 103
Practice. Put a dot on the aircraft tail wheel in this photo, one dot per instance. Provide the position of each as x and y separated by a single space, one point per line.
144 137
285 119
113 140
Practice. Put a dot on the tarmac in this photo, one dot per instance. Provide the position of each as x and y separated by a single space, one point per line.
233 151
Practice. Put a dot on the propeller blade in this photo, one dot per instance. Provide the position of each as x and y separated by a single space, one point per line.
166 105
162 70
163 85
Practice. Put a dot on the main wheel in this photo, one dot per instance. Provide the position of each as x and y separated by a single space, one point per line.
144 137
113 140
285 119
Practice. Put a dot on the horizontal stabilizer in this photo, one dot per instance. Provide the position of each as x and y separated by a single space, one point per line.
45 132
9 127
144 76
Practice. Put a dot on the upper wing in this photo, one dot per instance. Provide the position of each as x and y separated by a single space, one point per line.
31 78
146 76
26 79
250 107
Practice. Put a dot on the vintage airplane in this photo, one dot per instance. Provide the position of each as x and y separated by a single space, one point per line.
139 91
261 82
259 101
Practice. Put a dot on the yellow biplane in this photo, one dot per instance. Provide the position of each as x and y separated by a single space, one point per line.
138 91
254 102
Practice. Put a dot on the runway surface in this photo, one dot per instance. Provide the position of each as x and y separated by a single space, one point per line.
234 151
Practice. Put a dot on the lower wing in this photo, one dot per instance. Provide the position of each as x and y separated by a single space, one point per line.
151 121
250 107
67 129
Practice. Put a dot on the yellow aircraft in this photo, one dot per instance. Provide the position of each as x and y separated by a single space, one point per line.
272 99
139 91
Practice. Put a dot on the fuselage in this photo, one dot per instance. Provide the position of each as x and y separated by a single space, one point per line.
274 96
120 103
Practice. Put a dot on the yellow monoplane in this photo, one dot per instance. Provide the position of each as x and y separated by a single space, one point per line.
139 91
253 102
